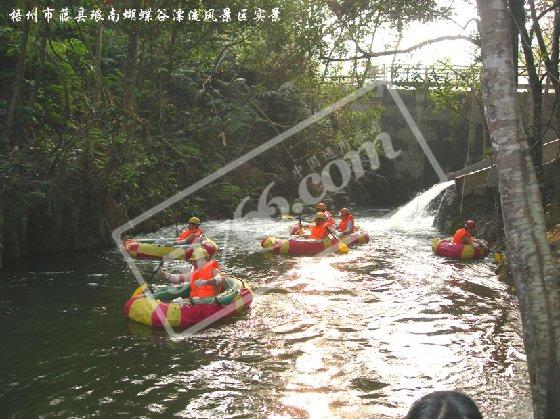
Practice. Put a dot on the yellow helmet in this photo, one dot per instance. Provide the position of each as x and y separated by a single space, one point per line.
194 220
320 216
199 253
268 243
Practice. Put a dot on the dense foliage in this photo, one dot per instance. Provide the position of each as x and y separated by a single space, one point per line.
102 120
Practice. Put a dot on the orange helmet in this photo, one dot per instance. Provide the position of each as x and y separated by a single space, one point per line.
321 206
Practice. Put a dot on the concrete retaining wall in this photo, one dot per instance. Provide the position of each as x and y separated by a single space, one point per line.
446 132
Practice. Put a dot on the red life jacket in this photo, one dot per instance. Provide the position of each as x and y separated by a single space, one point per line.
196 232
344 223
460 234
330 220
205 273
319 232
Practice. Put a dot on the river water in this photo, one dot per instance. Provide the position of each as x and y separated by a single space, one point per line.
361 334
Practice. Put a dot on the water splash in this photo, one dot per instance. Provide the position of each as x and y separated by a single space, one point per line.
414 215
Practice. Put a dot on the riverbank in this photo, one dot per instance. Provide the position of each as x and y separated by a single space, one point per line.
84 219
452 210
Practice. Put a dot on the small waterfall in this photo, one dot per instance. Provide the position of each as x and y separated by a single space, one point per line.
414 215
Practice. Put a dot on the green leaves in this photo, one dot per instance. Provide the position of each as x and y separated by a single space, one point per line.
202 95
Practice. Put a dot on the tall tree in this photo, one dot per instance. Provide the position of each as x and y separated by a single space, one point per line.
97 63
535 83
20 72
130 67
41 63
532 265
549 57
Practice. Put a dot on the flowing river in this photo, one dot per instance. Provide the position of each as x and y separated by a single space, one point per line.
361 334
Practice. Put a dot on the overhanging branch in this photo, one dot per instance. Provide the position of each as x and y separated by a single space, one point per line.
366 54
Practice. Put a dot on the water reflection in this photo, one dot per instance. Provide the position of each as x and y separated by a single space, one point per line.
364 333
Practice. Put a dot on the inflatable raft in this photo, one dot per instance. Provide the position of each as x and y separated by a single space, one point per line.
444 247
141 249
235 298
300 246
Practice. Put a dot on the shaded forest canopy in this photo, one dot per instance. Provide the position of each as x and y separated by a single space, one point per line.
101 120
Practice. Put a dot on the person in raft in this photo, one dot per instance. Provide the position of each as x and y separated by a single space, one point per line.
346 225
192 233
205 278
322 229
464 234
322 207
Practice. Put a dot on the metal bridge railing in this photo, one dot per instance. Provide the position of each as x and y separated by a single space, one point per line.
415 76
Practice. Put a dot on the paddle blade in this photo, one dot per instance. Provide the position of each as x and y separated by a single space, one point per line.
343 248
499 258
139 290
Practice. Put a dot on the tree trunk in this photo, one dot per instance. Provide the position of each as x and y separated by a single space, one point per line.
164 80
97 64
553 76
535 87
130 69
517 15
41 65
532 265
20 72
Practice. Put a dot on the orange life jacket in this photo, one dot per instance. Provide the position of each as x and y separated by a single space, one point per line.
460 234
319 232
330 220
204 273
344 223
195 232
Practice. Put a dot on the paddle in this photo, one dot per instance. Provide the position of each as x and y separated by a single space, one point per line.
169 243
499 257
150 240
148 283
500 260
342 247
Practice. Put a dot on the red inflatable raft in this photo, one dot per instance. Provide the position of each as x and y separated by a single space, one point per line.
445 247
299 246
172 304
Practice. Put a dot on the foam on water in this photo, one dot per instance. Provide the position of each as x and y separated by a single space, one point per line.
414 215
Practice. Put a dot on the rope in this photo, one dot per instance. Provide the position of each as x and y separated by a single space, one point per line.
469 138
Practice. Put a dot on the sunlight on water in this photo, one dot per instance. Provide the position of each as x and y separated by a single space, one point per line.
354 335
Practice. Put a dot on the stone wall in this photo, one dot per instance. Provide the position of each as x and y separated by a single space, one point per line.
446 132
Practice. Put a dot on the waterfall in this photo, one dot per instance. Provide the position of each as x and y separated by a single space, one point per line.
414 215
